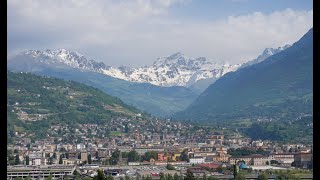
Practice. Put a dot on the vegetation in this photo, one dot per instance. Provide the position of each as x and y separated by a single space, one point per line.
133 156
35 101
297 131
280 87
263 176
170 167
150 154
245 151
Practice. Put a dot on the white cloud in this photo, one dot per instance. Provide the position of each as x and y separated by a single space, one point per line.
137 32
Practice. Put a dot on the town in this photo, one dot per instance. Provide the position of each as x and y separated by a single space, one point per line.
143 148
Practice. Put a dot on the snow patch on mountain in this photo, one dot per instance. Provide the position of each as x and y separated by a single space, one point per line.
174 70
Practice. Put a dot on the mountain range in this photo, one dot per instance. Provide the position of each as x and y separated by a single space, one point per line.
279 87
167 86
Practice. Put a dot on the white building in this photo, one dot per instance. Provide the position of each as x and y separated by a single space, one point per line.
81 146
197 160
36 161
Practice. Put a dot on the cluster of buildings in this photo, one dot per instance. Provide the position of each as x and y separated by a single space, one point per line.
174 143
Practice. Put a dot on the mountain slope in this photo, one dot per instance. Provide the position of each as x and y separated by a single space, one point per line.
265 54
174 70
156 100
35 101
279 87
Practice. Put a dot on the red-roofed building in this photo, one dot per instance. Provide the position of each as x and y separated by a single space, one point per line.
211 166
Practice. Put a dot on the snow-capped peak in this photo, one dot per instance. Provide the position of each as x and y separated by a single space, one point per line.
174 70
265 54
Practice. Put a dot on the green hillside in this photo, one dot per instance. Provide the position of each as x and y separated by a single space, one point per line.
36 102
280 87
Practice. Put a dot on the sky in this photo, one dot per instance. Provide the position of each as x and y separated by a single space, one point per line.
137 32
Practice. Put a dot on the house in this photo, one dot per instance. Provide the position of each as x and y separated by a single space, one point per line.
198 171
283 158
84 156
142 151
210 166
197 160
35 161
71 161
162 157
303 160
256 160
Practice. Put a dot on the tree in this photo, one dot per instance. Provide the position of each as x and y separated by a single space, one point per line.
204 177
170 167
49 177
211 178
240 177
162 176
17 160
89 159
60 160
189 176
77 177
133 156
127 177
50 160
27 160
175 176
109 177
15 151
97 155
100 175
55 140
262 177
114 157
150 154
184 156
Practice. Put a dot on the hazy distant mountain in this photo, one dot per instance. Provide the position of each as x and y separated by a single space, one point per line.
156 100
265 54
280 86
174 70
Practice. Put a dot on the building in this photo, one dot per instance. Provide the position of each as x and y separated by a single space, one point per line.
283 158
142 151
235 160
197 160
260 160
256 160
162 157
71 161
73 155
221 155
35 161
84 156
36 172
303 160
155 174
198 171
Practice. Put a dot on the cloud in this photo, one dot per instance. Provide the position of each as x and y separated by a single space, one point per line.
137 32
